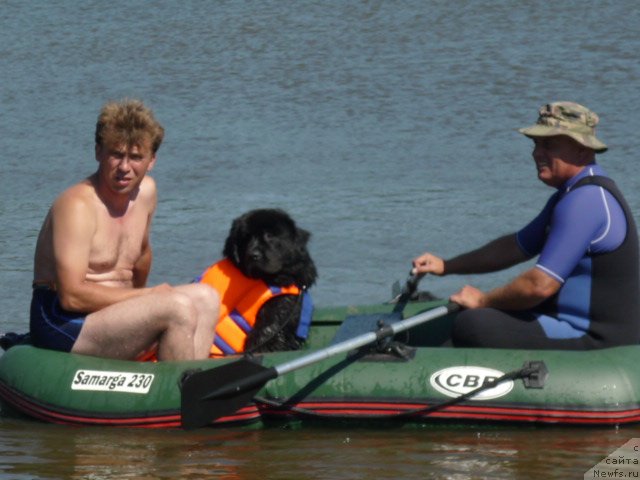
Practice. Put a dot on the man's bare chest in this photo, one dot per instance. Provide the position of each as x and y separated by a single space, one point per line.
117 242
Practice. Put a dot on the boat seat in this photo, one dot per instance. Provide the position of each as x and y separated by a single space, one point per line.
354 325
435 333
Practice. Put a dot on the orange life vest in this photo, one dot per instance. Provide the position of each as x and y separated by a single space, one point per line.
241 298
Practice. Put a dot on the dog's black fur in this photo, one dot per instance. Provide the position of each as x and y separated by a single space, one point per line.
267 244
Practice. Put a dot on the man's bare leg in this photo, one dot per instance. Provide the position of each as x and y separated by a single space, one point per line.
207 304
127 328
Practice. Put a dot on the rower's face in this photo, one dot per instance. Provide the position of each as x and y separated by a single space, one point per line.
553 157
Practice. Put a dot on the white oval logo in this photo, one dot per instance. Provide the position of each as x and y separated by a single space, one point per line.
456 381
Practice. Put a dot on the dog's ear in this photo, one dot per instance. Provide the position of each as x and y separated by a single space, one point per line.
302 236
307 273
232 243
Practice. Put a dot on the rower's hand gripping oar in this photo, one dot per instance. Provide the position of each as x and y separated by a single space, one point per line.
221 391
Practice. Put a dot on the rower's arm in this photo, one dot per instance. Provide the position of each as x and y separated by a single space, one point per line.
501 253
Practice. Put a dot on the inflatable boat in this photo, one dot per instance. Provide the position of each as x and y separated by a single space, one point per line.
356 368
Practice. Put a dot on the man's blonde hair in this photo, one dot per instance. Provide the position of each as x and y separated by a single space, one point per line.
128 122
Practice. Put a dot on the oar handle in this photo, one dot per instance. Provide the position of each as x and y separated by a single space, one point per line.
409 288
412 282
365 338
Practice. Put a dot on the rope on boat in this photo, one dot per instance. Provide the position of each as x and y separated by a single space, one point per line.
533 374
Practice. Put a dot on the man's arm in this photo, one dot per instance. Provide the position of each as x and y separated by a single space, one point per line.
142 267
524 292
501 253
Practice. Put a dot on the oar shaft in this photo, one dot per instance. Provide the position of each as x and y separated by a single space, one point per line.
364 339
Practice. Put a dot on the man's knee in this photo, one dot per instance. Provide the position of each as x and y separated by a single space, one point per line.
208 295
180 307
201 294
467 329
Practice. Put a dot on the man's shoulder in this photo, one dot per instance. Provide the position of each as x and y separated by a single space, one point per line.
81 195
589 201
148 185
148 191
582 196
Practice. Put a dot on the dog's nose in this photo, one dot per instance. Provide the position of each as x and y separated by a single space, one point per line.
255 255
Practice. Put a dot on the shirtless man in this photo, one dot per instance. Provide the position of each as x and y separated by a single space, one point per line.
93 257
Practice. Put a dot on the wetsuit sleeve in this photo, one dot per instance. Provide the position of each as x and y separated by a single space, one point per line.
532 237
578 220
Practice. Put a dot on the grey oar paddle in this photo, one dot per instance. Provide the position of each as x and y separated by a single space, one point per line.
221 391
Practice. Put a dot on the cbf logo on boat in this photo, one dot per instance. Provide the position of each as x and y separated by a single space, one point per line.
456 381
101 381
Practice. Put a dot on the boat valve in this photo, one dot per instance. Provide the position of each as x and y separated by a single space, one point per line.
534 374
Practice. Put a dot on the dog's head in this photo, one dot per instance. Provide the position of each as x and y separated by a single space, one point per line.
267 244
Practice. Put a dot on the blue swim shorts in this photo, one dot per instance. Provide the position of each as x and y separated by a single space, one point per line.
51 326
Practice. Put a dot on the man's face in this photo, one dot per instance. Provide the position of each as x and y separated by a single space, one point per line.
122 167
554 158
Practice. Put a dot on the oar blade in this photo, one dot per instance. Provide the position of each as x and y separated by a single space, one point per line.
217 392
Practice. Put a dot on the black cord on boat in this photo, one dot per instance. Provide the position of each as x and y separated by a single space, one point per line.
533 373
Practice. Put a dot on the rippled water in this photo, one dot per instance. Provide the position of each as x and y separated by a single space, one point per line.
383 127
311 453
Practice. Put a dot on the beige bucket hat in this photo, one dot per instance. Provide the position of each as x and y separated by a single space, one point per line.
567 118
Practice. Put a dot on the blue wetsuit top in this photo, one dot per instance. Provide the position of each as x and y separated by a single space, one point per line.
574 226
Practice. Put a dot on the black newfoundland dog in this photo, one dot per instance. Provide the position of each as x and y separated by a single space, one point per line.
267 244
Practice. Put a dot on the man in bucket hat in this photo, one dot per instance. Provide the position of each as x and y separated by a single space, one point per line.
583 292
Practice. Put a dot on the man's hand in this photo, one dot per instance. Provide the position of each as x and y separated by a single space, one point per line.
469 297
428 263
524 292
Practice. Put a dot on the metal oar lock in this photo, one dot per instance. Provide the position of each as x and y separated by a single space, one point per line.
537 374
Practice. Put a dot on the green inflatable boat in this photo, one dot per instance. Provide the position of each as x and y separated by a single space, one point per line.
363 364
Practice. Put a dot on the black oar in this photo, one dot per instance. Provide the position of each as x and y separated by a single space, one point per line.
408 290
221 391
